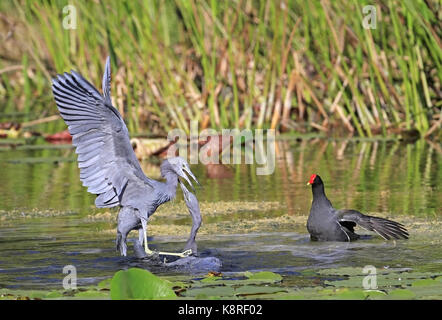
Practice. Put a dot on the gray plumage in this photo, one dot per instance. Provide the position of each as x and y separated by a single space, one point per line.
326 223
107 162
194 210
129 221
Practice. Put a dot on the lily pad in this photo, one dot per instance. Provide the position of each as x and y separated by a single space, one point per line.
401 294
53 295
264 276
255 290
137 283
210 279
375 294
346 271
104 284
216 291
425 282
351 295
93 294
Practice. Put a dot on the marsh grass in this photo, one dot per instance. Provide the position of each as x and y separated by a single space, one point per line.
290 65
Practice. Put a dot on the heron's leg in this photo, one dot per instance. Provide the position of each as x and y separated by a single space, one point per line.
144 235
121 244
141 236
127 221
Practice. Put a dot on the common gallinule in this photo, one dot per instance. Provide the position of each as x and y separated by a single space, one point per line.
326 223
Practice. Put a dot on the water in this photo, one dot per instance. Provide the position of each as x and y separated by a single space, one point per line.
250 222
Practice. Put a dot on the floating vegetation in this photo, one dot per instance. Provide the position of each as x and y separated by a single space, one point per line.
32 213
137 283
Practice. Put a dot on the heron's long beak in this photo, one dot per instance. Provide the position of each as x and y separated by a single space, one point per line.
188 172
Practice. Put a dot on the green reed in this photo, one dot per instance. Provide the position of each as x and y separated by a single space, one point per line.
290 65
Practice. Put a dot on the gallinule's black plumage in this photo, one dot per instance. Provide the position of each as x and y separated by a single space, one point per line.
325 223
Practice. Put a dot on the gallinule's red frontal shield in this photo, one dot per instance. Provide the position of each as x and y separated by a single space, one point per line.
325 223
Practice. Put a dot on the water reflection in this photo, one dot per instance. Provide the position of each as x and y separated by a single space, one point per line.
379 176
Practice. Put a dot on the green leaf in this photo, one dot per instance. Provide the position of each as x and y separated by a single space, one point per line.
137 283
289 296
264 276
210 279
217 291
427 292
53 294
254 290
104 284
375 294
425 282
401 294
178 284
92 294
347 271
36 294
351 295
340 293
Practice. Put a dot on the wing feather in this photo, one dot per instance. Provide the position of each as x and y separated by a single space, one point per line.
78 128
105 156
387 229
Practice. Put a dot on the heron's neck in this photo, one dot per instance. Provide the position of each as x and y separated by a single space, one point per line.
171 184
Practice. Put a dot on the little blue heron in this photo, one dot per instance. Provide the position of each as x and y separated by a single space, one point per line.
107 162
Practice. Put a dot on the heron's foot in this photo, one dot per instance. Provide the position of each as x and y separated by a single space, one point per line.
191 245
150 253
183 254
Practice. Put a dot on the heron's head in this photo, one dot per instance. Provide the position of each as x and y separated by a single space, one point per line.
180 167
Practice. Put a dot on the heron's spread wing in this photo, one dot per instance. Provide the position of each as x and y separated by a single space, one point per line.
387 229
106 159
